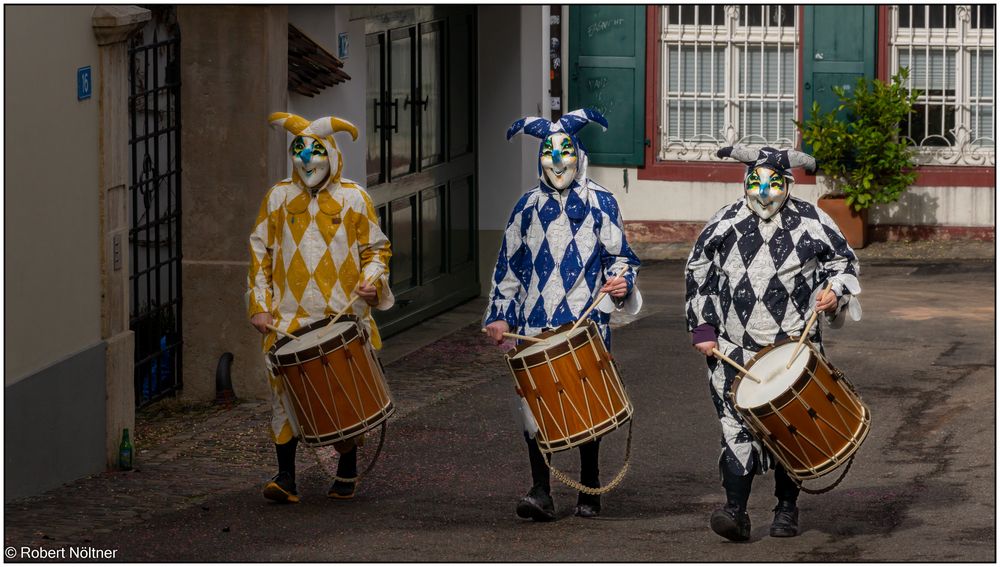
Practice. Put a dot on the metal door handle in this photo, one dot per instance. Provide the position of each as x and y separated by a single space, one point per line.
395 109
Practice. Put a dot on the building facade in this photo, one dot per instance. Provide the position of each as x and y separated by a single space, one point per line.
722 74
150 296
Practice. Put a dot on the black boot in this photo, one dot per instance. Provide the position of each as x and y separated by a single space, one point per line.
786 520
537 504
347 468
281 488
786 513
732 521
589 505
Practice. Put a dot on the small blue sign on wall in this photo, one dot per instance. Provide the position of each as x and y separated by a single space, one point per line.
343 46
84 85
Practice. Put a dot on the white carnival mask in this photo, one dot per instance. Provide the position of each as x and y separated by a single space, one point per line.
311 160
766 190
559 160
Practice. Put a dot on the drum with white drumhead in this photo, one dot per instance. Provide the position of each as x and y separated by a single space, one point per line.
571 386
809 415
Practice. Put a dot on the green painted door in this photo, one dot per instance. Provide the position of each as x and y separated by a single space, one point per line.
607 58
839 47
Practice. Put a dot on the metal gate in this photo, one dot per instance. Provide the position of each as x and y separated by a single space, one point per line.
155 206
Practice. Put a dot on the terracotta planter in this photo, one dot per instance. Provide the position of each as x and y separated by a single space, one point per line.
853 224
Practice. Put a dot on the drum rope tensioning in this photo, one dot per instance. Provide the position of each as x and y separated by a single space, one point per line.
334 385
809 416
572 393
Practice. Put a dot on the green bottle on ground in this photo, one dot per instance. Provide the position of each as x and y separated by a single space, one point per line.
125 452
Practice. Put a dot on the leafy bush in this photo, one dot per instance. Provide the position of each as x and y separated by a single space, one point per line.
864 155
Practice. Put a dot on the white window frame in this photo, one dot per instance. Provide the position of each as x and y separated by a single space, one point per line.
967 42
734 38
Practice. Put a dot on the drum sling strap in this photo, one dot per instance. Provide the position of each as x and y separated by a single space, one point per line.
565 479
828 488
368 469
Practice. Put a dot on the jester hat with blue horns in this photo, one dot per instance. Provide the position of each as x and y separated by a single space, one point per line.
570 124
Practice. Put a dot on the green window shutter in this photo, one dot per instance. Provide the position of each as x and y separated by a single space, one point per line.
838 48
607 67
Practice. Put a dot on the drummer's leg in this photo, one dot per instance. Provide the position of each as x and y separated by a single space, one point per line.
786 513
281 488
345 484
589 505
537 504
739 459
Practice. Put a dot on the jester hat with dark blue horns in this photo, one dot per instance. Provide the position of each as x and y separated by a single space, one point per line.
569 123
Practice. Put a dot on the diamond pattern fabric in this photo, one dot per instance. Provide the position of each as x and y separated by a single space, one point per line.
755 282
324 245
557 252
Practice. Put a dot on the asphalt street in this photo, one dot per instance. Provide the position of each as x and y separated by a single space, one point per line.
922 487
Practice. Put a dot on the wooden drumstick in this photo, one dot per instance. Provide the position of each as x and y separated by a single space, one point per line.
597 300
809 325
521 337
352 299
282 333
718 354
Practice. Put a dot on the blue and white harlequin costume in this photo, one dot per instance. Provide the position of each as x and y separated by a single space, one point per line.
564 241
560 247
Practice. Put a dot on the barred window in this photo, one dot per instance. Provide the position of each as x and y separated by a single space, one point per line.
949 52
728 75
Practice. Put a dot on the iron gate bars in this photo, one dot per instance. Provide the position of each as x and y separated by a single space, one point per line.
155 202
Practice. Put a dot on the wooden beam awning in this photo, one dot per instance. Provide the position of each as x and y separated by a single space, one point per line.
310 67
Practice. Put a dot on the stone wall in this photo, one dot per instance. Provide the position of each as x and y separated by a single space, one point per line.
230 157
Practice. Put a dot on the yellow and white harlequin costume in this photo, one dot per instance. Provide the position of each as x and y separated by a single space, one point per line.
310 248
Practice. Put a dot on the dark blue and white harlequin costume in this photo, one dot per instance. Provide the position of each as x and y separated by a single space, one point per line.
755 282
560 248
751 280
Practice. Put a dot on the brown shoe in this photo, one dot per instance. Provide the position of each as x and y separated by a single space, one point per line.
342 489
281 488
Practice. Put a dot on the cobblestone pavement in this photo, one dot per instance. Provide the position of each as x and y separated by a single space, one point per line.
187 453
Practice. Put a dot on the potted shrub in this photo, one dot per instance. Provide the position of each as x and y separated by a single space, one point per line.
863 157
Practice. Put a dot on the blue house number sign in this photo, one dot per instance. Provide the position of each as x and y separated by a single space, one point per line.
343 45
84 84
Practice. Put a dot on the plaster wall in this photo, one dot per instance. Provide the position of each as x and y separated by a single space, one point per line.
510 52
323 24
231 157
52 221
696 201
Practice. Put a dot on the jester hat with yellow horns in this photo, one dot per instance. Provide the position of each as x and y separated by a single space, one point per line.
314 152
